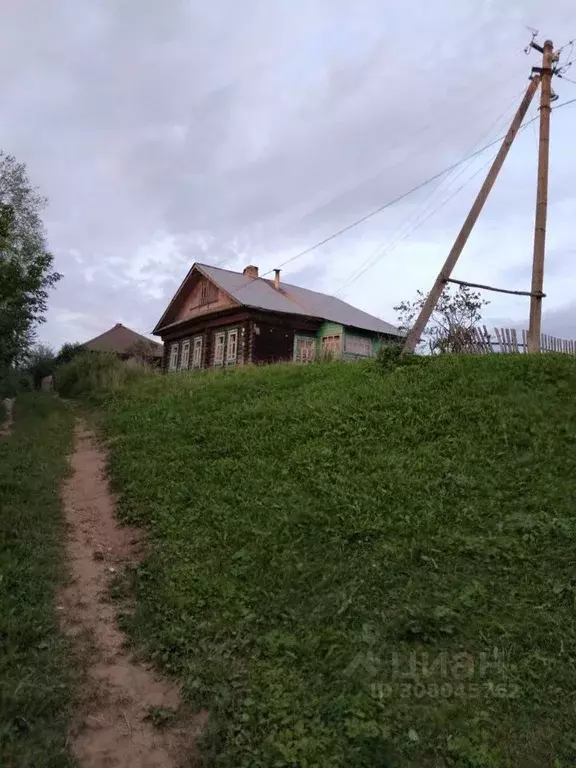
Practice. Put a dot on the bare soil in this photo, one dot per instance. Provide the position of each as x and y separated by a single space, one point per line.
111 729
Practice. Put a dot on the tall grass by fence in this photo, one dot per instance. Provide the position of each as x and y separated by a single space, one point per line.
510 340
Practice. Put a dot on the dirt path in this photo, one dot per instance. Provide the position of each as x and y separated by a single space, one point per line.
111 730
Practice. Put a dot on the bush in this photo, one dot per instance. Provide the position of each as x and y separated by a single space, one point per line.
390 356
96 375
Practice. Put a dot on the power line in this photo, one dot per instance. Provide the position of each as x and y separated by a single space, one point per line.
417 225
396 200
414 222
563 104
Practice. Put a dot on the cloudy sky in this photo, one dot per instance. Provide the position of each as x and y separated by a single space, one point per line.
243 132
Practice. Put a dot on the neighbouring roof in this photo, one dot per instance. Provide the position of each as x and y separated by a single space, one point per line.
260 293
121 340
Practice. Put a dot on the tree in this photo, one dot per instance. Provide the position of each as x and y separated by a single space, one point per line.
68 352
40 362
450 327
26 266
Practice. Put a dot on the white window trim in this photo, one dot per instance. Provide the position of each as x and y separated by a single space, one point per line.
219 335
197 347
303 346
232 334
185 356
173 362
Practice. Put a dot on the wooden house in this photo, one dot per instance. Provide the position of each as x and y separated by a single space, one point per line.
221 318
127 344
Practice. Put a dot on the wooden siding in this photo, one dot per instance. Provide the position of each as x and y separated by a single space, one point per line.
193 305
330 329
351 333
272 342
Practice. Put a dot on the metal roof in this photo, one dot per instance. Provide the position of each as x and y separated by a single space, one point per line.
260 293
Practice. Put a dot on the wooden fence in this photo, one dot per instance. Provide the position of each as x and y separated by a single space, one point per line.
509 340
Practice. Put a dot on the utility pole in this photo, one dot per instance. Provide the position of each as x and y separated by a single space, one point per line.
444 275
541 198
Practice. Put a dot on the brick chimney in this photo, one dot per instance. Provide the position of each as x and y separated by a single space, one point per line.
277 279
250 271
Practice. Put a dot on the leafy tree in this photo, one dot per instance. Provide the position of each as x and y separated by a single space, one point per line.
40 362
26 266
68 352
450 326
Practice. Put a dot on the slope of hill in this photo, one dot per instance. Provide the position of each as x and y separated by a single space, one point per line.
357 567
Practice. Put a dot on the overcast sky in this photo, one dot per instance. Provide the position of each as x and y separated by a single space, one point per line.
243 132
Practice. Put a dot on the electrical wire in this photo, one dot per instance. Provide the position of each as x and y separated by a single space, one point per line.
395 200
414 222
418 225
373 261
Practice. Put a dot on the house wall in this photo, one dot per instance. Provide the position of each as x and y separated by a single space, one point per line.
329 329
241 324
272 342
263 337
192 306
354 333
376 339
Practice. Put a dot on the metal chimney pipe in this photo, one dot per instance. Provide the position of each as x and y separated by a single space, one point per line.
277 279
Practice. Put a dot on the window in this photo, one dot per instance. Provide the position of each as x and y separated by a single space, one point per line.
232 346
219 348
358 345
305 350
208 293
197 352
173 365
185 356
331 346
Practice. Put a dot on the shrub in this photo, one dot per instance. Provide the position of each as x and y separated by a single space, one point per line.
96 375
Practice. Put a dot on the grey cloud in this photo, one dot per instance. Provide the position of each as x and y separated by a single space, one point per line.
236 132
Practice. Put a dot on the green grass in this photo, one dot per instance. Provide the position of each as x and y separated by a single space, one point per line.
35 665
353 567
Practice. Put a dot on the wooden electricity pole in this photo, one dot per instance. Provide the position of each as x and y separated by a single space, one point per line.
541 200
444 275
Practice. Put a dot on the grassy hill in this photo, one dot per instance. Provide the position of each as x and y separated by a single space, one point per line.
351 566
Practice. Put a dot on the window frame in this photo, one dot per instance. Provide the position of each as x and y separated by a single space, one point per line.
217 335
233 333
364 341
173 359
305 344
185 356
197 347
331 349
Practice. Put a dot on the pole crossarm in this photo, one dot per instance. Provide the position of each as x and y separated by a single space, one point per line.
497 290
